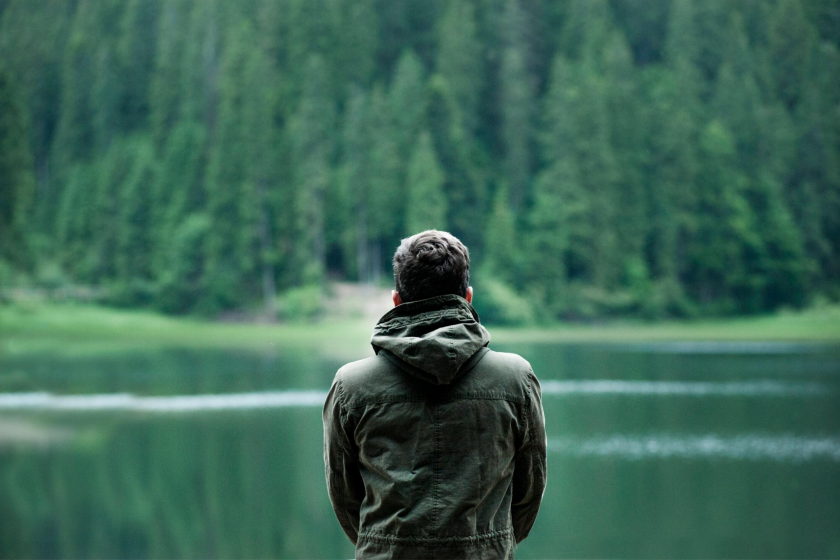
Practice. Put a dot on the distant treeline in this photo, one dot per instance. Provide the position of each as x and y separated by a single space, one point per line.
599 157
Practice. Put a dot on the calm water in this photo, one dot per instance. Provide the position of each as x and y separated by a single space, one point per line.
655 451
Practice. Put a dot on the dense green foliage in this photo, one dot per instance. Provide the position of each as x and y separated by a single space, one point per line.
656 157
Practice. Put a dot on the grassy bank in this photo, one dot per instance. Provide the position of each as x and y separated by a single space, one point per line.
87 328
33 327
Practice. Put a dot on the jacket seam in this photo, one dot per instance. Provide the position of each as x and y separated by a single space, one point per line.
452 398
343 435
436 417
470 539
532 442
426 316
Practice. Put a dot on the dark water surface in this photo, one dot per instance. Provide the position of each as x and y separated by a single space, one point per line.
684 450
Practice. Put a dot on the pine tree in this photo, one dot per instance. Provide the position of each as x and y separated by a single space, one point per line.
725 245
356 181
312 138
359 41
164 88
200 66
517 99
501 258
112 174
134 238
407 103
108 91
459 61
225 175
178 189
461 160
426 203
587 28
312 28
559 235
135 49
17 182
74 137
791 40
737 101
257 238
625 124
670 173
76 223
33 40
386 204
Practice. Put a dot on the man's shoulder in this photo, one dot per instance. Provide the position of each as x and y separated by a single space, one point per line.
499 372
356 376
506 363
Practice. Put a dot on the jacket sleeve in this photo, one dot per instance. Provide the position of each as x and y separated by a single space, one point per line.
529 475
341 460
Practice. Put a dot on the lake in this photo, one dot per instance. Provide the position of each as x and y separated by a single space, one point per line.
665 450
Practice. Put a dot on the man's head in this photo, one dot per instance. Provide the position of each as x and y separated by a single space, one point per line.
431 263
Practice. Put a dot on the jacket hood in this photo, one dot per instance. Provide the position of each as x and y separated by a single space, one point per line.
434 336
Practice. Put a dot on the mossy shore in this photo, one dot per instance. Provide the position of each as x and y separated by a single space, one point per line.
38 326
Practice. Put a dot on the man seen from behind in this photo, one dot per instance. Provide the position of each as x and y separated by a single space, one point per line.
435 447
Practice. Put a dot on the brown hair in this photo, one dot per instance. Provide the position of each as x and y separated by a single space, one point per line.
431 263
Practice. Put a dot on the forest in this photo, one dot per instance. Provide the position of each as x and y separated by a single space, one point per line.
646 158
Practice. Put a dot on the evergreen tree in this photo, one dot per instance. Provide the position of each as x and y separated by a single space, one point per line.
725 243
459 61
225 176
135 50
33 40
182 286
177 190
426 204
17 182
500 254
461 160
164 88
134 238
257 238
386 188
407 103
111 176
76 223
791 40
312 138
359 41
517 100
199 66
75 136
356 182
558 242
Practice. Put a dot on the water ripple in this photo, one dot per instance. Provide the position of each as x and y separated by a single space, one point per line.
755 447
176 403
767 387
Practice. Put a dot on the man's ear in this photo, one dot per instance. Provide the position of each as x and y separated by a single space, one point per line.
395 295
468 297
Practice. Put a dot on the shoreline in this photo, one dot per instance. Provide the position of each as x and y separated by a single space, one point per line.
84 328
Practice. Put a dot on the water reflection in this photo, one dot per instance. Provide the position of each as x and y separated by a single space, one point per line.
218 454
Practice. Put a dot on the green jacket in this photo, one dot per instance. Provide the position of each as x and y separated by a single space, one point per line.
435 447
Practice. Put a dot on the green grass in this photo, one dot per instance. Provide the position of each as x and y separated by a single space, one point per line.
75 328
812 325
34 327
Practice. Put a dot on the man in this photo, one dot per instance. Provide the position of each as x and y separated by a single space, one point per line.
435 447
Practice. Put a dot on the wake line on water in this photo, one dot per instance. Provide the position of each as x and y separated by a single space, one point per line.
752 447
176 403
690 388
724 347
286 399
